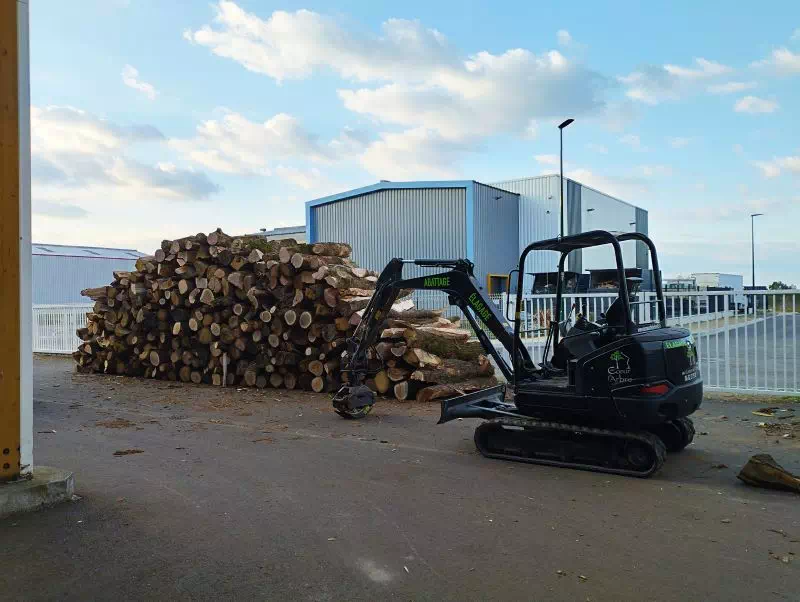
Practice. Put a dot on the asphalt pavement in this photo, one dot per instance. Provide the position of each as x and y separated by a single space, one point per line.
240 495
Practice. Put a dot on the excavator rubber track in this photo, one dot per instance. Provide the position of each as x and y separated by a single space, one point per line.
635 454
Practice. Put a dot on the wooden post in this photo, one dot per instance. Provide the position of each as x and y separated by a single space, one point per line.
16 391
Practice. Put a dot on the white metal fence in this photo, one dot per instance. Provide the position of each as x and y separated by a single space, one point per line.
54 327
746 341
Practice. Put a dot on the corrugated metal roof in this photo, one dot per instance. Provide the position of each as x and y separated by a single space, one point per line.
282 230
45 249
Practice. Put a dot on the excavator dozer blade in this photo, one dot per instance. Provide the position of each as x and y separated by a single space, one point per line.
486 403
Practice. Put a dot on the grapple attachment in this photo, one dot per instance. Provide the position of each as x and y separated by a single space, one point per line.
353 402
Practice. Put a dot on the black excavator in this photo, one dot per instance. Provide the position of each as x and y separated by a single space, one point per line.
614 397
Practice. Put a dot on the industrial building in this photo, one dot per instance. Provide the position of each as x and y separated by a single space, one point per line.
488 224
718 281
60 272
296 232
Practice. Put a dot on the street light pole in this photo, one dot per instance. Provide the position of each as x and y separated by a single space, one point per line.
561 167
753 244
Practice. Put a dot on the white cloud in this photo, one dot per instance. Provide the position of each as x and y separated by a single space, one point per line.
532 129
236 145
489 94
754 104
769 169
731 87
350 141
307 179
633 141
130 77
412 155
550 160
419 81
773 168
728 210
678 141
795 35
564 38
597 148
782 61
790 163
653 84
705 69
630 188
294 45
618 116
66 129
652 171
79 156
58 209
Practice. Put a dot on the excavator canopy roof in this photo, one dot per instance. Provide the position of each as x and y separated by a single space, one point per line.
594 238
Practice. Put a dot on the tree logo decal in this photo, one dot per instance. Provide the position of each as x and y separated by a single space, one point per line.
621 361
619 369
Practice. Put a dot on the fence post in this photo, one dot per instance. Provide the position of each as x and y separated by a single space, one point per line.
726 342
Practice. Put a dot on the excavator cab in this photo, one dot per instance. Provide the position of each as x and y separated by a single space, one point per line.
614 398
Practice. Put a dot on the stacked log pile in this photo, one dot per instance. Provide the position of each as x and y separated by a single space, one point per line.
427 357
246 311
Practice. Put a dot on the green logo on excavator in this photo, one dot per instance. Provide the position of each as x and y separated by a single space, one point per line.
479 307
436 281
676 343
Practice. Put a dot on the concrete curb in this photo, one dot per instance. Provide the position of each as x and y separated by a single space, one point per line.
48 486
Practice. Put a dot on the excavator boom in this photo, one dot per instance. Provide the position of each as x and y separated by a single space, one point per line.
462 289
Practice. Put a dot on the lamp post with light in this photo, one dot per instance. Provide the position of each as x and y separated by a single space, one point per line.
753 244
561 127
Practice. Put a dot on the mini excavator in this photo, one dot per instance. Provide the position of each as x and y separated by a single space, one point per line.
614 396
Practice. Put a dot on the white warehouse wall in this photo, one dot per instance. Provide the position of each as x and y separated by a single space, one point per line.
59 279
609 214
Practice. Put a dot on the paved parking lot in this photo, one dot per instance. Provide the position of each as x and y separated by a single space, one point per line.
268 495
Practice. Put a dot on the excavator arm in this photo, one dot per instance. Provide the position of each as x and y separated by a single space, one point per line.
354 399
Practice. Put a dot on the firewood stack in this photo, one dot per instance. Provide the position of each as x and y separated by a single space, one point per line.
246 311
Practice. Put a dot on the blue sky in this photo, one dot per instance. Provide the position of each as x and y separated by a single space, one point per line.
152 119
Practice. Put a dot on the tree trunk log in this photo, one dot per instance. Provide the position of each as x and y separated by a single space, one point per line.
454 371
382 382
407 390
332 248
318 384
421 358
397 374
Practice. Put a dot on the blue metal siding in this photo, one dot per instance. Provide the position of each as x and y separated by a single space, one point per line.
495 230
58 279
311 227
538 219
413 223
